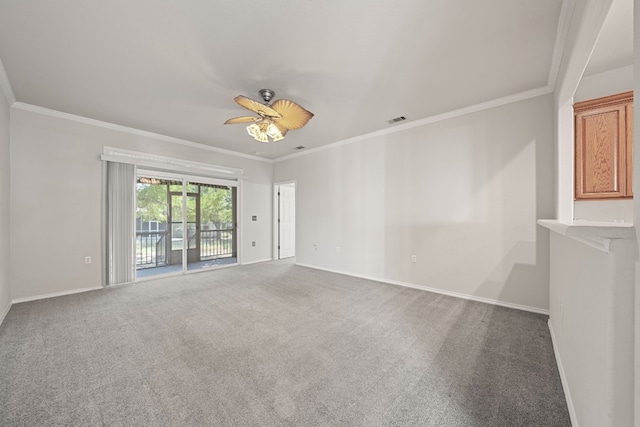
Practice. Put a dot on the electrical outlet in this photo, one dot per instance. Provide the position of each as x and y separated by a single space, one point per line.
87 260
253 244
414 258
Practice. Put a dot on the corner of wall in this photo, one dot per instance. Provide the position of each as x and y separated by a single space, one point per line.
5 85
4 311
563 376
7 98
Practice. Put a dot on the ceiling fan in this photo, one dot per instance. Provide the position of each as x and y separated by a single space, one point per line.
274 120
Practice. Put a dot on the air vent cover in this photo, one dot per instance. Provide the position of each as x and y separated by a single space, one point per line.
397 119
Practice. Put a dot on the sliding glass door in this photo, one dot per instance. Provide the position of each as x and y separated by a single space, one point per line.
215 230
184 228
184 224
152 233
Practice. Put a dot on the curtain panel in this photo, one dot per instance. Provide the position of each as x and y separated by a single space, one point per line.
121 181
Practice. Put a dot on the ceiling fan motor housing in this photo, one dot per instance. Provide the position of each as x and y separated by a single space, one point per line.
267 94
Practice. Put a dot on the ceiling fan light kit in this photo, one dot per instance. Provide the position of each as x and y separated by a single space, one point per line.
265 129
274 120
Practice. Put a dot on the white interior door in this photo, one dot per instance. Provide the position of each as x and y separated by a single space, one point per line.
286 221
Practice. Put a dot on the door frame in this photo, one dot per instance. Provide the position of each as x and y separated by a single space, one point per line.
176 175
276 212
191 253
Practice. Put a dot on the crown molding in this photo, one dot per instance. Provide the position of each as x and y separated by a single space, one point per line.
564 23
605 101
130 130
5 85
577 58
521 96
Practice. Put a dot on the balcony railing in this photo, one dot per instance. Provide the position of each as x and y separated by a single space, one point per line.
215 244
151 249
151 246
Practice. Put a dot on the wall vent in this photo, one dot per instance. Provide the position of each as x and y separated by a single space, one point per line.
397 119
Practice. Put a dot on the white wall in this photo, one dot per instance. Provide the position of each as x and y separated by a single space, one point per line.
591 87
585 20
592 302
5 294
593 319
257 201
463 195
604 210
636 213
605 84
57 199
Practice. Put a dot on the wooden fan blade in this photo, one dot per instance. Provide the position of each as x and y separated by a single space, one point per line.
244 119
293 115
263 110
283 130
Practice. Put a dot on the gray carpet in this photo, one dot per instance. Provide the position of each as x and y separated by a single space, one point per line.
275 344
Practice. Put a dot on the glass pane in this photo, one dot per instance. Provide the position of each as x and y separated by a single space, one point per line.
191 228
216 216
176 208
176 236
192 188
216 208
151 223
176 188
192 217
191 208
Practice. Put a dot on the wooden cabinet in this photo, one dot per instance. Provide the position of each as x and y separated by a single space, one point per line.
604 147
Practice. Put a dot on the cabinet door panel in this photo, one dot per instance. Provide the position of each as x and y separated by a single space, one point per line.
601 153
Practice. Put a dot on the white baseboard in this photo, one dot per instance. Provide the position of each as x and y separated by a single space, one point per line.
257 262
4 312
563 378
436 290
54 294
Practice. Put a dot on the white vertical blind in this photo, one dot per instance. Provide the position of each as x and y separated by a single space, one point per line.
121 178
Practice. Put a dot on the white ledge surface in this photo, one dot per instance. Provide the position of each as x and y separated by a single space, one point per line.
593 233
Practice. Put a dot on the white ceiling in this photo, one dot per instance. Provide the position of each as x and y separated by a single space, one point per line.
614 48
173 67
